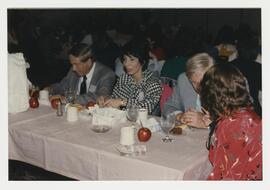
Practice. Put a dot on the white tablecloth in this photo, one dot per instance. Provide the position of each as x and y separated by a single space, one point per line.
39 137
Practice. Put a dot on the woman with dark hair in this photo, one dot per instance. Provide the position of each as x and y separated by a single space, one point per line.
136 86
235 140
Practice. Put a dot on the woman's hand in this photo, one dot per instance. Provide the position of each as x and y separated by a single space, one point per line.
115 103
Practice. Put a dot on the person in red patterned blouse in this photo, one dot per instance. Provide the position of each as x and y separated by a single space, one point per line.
235 139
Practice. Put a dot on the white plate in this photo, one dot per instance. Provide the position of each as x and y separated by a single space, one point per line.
131 150
100 128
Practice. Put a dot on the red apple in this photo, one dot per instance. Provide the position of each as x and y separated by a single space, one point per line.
54 103
90 104
33 102
144 134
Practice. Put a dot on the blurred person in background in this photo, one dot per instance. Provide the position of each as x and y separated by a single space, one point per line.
137 86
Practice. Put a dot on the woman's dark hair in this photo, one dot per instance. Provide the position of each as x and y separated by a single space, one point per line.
138 48
82 51
223 90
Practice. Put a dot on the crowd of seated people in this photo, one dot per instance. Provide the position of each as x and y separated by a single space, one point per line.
118 67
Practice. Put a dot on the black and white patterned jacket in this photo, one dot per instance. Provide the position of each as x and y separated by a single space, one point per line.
146 94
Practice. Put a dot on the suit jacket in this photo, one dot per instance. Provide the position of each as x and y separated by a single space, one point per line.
101 84
253 72
182 98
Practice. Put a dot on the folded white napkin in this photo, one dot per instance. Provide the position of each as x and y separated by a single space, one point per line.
108 116
151 124
18 89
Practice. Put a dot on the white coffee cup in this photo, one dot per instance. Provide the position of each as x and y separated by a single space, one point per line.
44 95
142 115
72 113
127 136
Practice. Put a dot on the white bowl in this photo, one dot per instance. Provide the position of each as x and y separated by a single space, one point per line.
100 128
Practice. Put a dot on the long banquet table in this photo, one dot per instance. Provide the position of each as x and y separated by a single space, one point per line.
39 137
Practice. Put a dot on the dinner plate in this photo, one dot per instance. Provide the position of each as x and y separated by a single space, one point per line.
131 150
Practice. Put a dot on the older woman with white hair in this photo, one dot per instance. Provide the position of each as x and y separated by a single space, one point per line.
185 100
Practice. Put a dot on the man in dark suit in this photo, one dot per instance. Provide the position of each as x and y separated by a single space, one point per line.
252 70
88 78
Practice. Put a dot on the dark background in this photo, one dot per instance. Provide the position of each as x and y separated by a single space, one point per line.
39 31
209 19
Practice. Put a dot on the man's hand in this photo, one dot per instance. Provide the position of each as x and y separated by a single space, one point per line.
101 100
62 98
195 119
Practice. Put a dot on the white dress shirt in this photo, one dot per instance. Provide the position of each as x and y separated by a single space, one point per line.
89 78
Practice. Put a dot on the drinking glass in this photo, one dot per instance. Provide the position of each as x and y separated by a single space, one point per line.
132 113
70 96
166 124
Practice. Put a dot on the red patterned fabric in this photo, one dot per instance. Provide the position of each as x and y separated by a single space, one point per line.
236 150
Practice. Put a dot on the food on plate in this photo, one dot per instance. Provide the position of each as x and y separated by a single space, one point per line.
182 126
178 129
78 106
90 104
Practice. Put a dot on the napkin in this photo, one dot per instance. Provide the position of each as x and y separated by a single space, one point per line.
108 116
151 124
18 89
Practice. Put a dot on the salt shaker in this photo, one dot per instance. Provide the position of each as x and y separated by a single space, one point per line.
59 111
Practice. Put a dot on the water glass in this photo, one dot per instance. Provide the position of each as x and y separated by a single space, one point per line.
167 123
132 113
70 96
